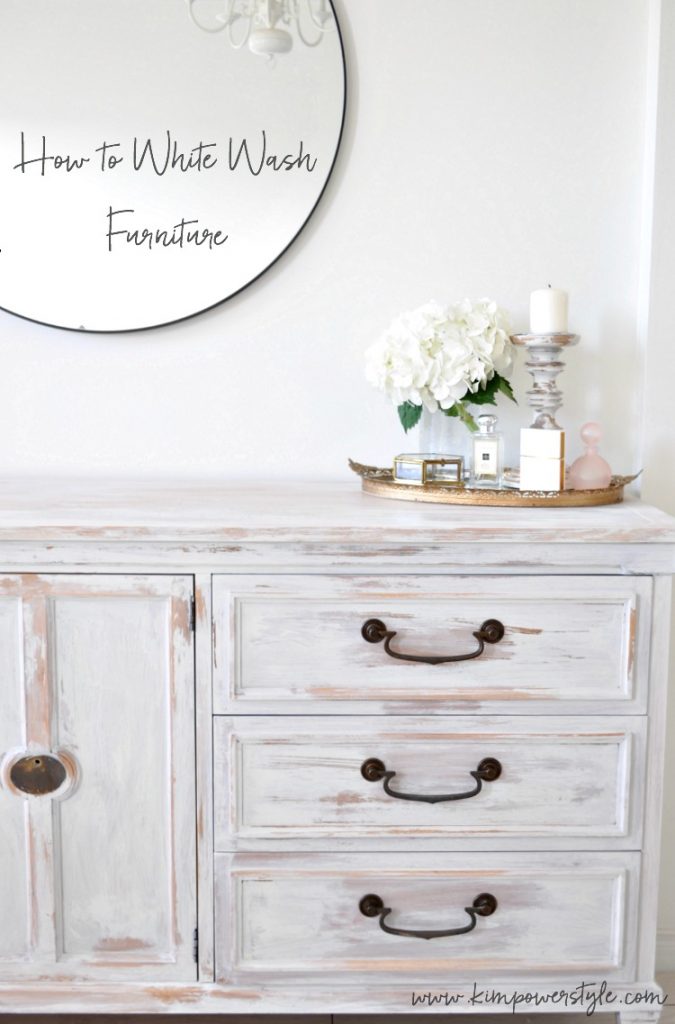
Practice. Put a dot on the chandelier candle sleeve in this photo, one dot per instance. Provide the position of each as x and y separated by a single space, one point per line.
548 311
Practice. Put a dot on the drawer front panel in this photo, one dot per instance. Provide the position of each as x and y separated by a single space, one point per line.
560 777
556 915
283 642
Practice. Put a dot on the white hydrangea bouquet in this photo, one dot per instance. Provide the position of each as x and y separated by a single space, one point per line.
443 358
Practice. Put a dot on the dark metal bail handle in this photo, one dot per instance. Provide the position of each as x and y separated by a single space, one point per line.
372 905
374 631
374 770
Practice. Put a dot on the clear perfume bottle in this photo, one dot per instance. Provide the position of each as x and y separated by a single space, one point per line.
488 453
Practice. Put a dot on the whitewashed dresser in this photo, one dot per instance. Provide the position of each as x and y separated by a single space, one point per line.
296 749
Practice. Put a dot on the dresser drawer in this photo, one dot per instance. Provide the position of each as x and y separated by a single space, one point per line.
555 915
574 779
284 643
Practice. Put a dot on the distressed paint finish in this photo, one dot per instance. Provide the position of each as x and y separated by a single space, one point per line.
322 513
117 525
15 852
565 779
559 915
576 862
105 665
293 643
204 741
658 695
182 1018
365 999
483 559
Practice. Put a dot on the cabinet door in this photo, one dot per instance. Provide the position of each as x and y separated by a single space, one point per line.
97 768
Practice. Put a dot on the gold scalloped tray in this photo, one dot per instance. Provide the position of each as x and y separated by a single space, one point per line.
380 482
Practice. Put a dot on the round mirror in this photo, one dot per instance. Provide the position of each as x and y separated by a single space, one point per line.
156 156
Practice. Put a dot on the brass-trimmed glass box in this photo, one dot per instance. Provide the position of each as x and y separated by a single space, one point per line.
420 469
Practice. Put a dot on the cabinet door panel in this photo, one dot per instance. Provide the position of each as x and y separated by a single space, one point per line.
109 883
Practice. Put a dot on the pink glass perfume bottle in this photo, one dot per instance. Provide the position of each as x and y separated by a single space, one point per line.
590 471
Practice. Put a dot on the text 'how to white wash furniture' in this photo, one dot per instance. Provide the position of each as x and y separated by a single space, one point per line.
297 749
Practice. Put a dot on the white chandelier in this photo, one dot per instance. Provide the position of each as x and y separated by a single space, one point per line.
266 24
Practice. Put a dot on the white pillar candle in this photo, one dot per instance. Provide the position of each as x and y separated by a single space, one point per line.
548 311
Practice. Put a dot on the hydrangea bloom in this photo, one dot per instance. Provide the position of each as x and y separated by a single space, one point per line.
437 357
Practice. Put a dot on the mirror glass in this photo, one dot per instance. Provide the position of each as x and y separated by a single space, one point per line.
149 169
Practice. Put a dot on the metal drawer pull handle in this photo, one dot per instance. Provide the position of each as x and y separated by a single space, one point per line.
483 905
375 631
374 770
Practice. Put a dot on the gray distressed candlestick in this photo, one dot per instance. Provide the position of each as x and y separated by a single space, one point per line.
544 362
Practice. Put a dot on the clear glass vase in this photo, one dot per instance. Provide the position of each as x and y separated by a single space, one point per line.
444 435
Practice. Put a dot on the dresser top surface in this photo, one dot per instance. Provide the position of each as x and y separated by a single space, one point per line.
330 513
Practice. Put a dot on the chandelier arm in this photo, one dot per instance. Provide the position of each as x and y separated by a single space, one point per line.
288 12
303 37
242 42
206 28
323 21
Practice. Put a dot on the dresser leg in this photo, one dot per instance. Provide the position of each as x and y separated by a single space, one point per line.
631 1015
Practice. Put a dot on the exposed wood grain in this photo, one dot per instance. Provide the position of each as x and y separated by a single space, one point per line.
377 998
324 513
288 643
568 779
571 701
204 740
557 915
649 900
182 1018
106 666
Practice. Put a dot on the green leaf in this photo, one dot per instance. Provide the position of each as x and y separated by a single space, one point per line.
409 415
486 395
506 388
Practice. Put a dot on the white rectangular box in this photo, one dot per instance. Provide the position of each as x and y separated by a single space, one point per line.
542 444
537 474
542 459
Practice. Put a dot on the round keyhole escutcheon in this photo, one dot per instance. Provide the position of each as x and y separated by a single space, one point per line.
38 774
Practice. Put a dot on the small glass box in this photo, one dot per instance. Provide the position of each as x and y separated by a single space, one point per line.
443 470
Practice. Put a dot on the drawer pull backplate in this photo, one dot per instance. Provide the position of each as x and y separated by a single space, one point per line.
483 906
375 631
374 770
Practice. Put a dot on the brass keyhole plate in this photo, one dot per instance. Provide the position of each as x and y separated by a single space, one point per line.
37 774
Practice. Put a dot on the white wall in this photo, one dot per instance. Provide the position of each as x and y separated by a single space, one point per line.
492 146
